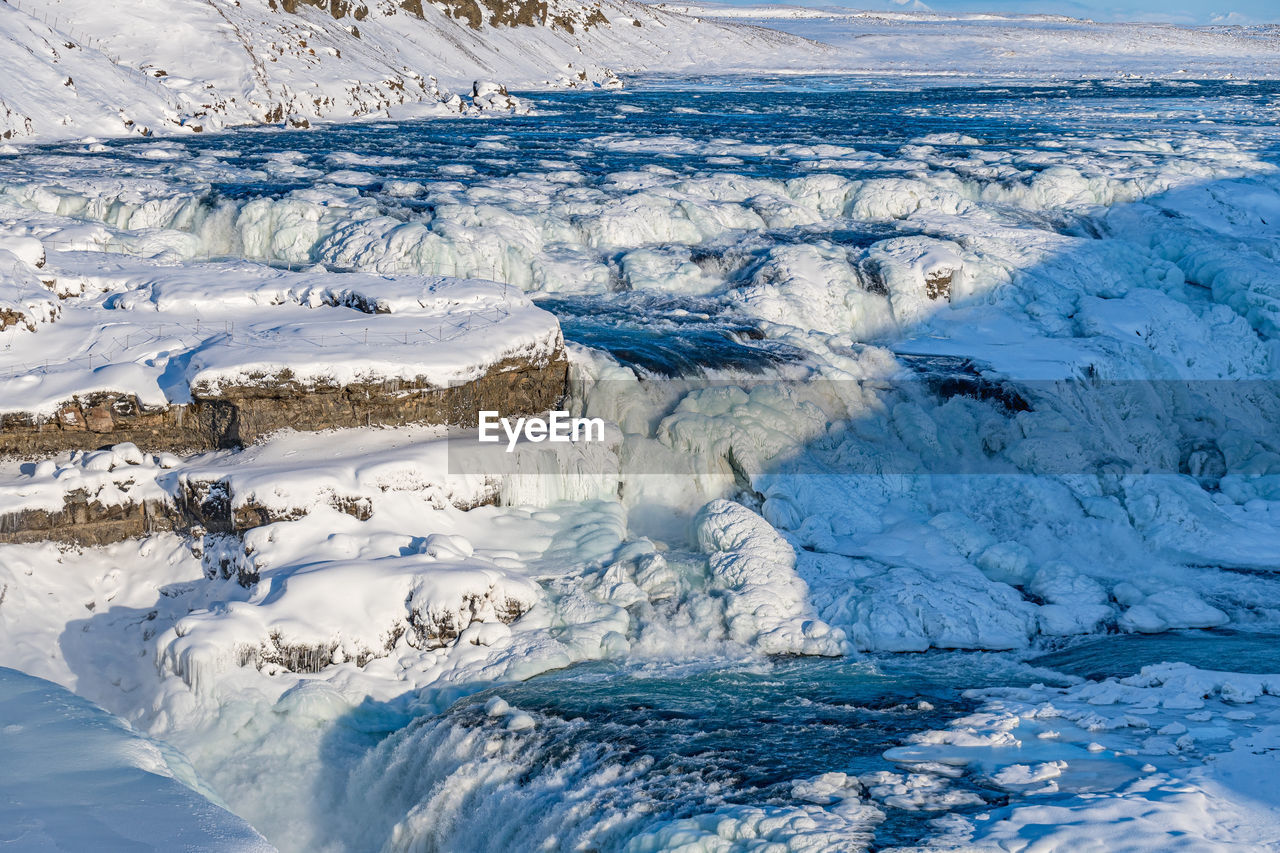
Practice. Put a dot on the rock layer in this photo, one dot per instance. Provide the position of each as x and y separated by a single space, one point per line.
241 415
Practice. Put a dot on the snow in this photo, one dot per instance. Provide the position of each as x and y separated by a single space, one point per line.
894 40
1029 398
798 828
77 778
161 67
160 331
91 69
1166 753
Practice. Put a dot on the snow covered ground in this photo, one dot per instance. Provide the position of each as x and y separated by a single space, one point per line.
78 68
975 372
884 40
77 778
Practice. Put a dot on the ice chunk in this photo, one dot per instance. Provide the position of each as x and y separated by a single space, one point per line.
768 604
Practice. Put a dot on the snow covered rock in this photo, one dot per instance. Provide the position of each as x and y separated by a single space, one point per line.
304 618
1168 609
201 357
904 608
24 301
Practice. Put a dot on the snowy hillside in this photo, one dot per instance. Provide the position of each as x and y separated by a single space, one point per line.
77 778
78 67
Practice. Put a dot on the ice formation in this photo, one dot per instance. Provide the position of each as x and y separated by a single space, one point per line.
1127 747
768 603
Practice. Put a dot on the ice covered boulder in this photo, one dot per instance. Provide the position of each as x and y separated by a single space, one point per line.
811 287
1075 603
1006 562
493 97
767 602
948 604
918 273
29 250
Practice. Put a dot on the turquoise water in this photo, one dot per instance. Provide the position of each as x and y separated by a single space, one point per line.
611 751
1125 654
614 750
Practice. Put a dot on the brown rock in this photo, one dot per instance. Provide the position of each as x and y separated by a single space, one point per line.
98 419
938 285
237 416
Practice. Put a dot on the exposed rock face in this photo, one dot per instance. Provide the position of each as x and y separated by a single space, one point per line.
10 317
937 285
241 415
234 417
436 621
200 506
519 13
105 419
86 521
337 8
476 13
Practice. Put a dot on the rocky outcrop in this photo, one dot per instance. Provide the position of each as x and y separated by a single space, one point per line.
937 285
85 520
337 8
522 13
236 416
205 506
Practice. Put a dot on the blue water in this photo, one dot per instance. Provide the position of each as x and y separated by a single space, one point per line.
582 127
614 750
668 336
1117 656
626 748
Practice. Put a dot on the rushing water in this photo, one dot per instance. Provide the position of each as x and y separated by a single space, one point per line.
605 753
610 752
551 176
